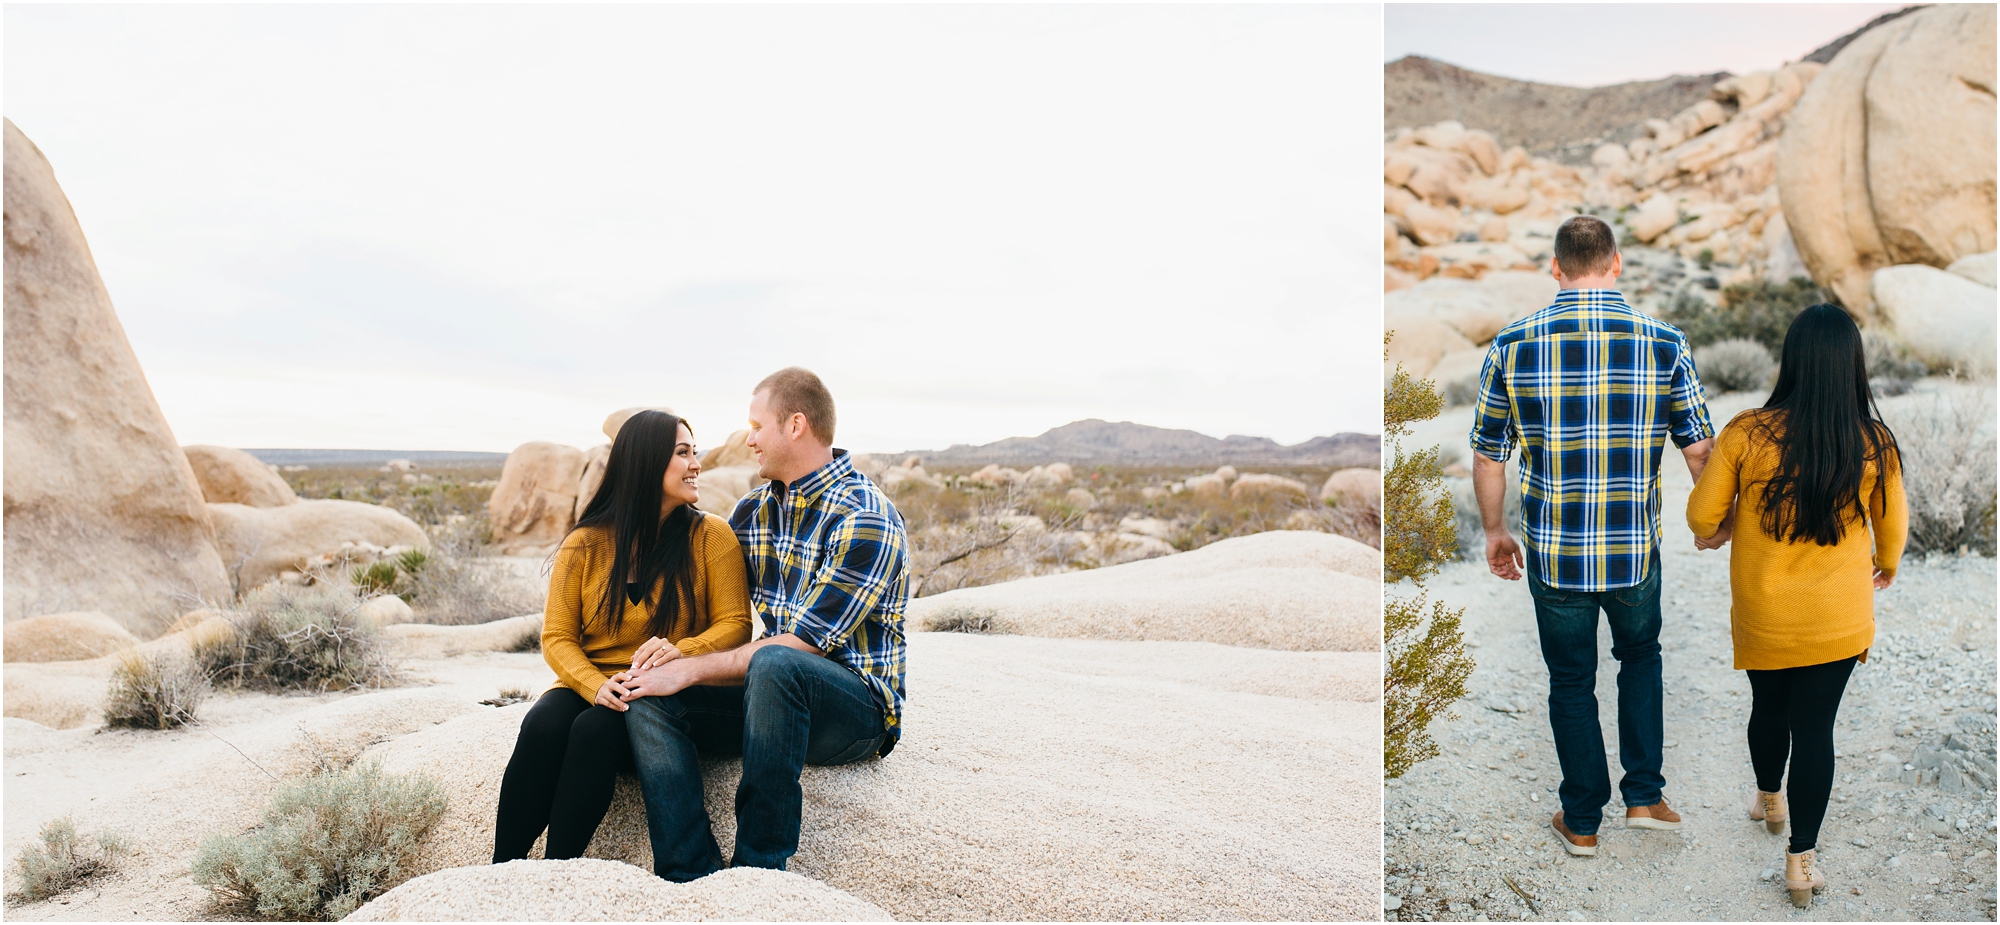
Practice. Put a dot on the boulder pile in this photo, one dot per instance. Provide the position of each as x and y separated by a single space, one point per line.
1881 158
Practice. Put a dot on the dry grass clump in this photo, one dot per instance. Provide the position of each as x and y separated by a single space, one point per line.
291 638
328 843
59 861
456 583
1735 365
509 696
161 690
965 620
1947 441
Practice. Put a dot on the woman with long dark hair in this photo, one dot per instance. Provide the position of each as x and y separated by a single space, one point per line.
642 571
1810 489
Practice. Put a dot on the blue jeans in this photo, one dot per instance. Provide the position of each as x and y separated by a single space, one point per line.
794 709
1567 621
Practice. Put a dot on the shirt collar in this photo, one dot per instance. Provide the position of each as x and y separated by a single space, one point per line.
1598 296
809 486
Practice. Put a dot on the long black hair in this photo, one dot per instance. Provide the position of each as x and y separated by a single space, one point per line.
1827 429
627 508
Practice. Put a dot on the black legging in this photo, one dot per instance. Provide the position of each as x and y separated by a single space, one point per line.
1792 710
560 777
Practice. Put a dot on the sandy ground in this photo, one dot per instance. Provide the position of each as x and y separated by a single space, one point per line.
1458 825
1039 779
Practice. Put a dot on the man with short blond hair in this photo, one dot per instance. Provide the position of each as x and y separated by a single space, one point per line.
1590 389
828 565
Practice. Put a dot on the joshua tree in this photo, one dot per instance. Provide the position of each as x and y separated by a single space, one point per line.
1427 664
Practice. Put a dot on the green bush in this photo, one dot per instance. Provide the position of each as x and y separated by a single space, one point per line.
327 844
157 691
302 639
1759 311
376 578
1422 642
61 862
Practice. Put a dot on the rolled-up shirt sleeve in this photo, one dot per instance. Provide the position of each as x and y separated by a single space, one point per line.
1492 414
865 554
1687 413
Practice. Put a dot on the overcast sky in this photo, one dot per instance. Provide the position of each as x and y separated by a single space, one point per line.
1594 44
466 227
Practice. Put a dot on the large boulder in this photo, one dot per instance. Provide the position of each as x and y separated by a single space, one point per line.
535 503
425 640
733 451
1354 486
1466 305
1417 342
592 478
1888 156
1946 319
593 890
722 487
617 419
102 510
937 830
1977 267
1283 589
235 477
259 544
1260 485
65 637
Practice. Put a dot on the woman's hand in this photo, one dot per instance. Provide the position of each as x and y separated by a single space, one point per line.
611 694
1883 579
653 653
1722 534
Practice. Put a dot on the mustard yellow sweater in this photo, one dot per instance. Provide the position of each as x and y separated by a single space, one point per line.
1795 604
718 617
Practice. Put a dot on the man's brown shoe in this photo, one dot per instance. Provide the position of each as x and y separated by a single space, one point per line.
1656 816
1582 846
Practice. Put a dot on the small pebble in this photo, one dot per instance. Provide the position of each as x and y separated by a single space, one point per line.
1861 843
1475 839
1392 903
1767 874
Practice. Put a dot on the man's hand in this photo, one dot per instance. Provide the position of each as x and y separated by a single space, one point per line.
671 678
1883 579
611 694
1503 555
653 653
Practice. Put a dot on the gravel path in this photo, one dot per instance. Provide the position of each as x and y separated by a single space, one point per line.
1899 842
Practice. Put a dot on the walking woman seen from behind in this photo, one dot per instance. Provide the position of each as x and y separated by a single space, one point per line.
643 574
1810 489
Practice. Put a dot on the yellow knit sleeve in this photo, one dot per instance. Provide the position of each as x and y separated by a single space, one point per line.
1890 515
727 586
1715 494
562 618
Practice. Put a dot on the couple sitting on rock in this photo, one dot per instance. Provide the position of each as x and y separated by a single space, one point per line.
1808 486
649 626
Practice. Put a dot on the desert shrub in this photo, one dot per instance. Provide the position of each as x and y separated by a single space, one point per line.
530 640
1891 366
1947 442
59 861
454 584
1737 365
328 843
160 690
1759 311
377 577
297 638
1422 644
965 620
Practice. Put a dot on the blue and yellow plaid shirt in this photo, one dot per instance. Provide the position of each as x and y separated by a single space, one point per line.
829 563
1590 388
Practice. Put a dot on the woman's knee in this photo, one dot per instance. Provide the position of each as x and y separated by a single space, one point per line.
551 716
598 729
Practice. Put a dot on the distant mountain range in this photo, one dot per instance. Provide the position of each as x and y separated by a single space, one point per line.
1124 443
282 457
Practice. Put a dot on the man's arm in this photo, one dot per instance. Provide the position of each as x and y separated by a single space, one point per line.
1696 454
717 669
1489 485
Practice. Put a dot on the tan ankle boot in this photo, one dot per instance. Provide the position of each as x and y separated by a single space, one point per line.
1770 808
1802 877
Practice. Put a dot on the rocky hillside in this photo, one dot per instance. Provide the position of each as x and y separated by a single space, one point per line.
1093 442
1563 123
